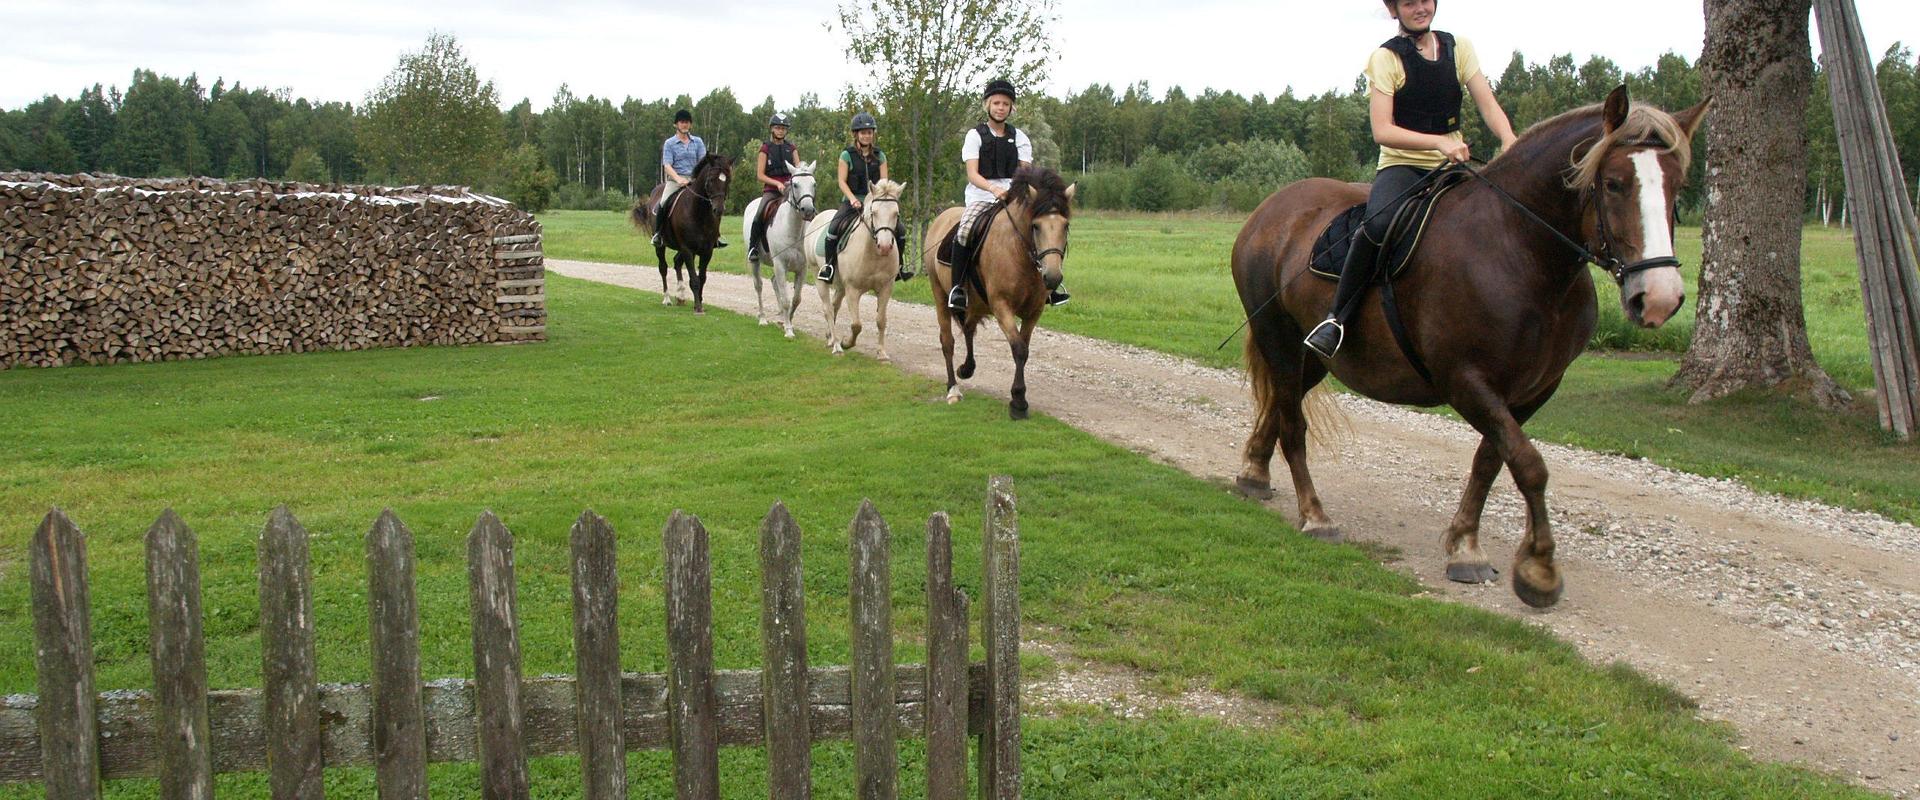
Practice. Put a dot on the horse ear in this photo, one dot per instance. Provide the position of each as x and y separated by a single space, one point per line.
1691 118
1614 113
1071 187
1033 195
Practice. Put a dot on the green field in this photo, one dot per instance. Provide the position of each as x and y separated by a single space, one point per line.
1162 281
633 409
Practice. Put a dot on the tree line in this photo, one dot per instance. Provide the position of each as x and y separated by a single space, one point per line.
433 121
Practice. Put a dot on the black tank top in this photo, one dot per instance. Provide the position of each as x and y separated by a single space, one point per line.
1430 100
862 171
777 157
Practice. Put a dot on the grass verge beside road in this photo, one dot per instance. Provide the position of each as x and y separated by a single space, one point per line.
1162 282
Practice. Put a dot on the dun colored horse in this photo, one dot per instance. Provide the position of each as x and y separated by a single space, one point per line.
693 225
868 263
1018 261
1496 302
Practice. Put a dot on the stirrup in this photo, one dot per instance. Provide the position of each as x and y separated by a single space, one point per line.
957 300
1056 297
719 243
903 275
1324 349
656 240
826 274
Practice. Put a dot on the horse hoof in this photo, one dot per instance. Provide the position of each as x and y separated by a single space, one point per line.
965 371
838 350
1537 583
764 322
884 358
1472 572
1323 531
1017 412
789 331
666 300
1258 490
953 396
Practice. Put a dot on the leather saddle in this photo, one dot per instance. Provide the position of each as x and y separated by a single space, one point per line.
1410 221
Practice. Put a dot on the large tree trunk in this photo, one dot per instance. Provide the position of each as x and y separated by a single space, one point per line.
1751 330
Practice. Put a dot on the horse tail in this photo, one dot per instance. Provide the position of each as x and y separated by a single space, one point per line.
1328 425
642 221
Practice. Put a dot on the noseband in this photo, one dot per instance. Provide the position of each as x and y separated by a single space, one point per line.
796 201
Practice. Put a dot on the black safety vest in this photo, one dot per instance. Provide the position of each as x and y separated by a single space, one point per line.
1430 100
777 157
999 155
862 171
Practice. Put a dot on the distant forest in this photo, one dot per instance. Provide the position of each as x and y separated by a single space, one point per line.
1134 147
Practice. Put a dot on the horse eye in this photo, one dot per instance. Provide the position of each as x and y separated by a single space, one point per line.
1616 186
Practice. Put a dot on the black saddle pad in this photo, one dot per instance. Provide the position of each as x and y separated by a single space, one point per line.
1410 222
945 253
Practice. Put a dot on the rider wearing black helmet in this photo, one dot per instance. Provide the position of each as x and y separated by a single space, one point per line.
1413 105
679 154
860 166
993 152
772 170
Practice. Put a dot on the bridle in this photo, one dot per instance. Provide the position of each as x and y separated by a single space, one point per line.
795 201
1601 255
1039 256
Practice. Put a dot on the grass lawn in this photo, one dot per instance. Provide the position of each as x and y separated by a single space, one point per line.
634 410
1162 281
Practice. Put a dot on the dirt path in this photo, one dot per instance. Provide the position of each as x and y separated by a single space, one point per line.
1794 621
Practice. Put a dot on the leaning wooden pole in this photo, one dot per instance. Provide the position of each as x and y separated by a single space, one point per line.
1886 236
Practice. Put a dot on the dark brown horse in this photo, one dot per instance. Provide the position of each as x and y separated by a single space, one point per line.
693 225
1019 261
1495 303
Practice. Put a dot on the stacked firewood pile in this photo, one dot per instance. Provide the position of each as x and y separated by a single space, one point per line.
98 268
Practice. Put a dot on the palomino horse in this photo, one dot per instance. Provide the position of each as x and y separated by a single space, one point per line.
693 225
786 244
1019 261
1497 302
867 264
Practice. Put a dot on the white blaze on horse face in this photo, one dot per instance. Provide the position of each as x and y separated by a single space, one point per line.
1661 289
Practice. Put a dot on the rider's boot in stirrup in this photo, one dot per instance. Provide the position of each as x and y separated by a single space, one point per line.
1326 337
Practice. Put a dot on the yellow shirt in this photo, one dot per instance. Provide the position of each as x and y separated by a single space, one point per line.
1386 75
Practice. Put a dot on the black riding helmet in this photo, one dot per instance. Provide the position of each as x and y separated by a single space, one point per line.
999 86
780 120
863 121
683 115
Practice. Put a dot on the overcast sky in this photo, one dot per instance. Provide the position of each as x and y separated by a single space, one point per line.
340 49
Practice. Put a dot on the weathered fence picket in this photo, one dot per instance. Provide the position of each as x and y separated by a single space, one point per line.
291 697
783 636
179 660
596 646
72 739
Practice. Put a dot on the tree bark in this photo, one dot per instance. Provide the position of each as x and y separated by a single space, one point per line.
1750 330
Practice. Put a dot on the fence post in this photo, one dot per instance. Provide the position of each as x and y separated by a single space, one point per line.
496 659
946 668
63 640
596 644
692 707
179 660
292 699
399 718
1000 737
875 753
783 639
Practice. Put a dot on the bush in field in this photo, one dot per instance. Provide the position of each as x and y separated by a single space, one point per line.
1105 189
1159 184
1244 173
575 197
306 166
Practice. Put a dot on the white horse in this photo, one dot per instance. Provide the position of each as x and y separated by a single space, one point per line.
868 263
786 244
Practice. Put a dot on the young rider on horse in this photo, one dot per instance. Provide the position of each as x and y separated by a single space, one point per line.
861 166
993 152
771 169
678 156
1414 107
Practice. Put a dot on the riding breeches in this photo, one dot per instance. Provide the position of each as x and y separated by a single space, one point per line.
1388 186
967 218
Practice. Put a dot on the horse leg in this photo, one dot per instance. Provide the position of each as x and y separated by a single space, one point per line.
1536 581
780 296
660 257
699 281
1461 541
760 297
881 298
797 279
945 321
853 312
830 297
1017 342
967 327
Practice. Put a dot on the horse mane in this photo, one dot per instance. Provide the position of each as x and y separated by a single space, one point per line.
710 160
1587 149
1041 190
886 190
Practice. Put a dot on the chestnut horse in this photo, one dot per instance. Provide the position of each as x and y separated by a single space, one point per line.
1019 260
1496 302
693 225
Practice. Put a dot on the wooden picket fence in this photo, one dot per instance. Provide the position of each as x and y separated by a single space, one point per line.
72 738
